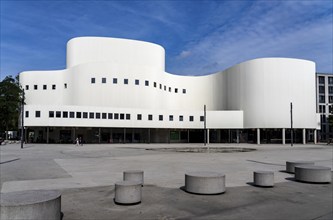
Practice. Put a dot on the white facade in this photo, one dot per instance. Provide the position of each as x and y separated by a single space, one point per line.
126 79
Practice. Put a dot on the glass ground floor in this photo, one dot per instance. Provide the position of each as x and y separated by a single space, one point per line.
155 135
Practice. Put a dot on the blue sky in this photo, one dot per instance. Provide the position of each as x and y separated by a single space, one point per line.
199 37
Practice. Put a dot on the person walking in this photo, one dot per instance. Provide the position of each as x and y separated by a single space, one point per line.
77 141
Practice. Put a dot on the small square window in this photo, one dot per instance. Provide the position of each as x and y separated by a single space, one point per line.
65 85
155 84
139 117
85 114
202 118
51 114
126 81
122 116
58 114
137 82
146 83
35 87
181 118
176 90
27 114
78 114
37 114
160 117
27 87
170 117
98 115
164 88
93 80
44 87
110 116
116 116
103 80
71 114
91 115
103 115
128 117
53 87
150 117
115 80
169 89
65 114
184 91
160 86
191 118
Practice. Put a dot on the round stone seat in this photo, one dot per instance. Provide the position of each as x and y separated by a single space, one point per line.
313 174
133 175
290 165
127 192
208 183
32 204
263 178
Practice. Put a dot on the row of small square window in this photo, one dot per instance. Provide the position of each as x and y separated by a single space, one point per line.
98 115
137 82
44 87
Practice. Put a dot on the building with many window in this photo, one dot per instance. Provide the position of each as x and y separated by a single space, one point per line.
117 91
325 104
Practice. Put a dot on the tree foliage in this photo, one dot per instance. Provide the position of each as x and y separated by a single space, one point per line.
330 120
10 102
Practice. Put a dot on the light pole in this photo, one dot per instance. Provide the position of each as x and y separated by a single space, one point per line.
22 119
205 132
291 124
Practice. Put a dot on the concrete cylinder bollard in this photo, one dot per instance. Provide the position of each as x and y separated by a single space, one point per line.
128 192
313 174
133 175
208 183
263 178
290 165
32 204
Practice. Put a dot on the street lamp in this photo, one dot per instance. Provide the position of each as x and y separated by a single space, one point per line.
22 119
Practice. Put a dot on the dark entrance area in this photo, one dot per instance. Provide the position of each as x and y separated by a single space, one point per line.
196 136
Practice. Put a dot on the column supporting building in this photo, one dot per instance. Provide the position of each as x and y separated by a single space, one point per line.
237 136
47 134
258 135
304 136
315 136
207 136
283 136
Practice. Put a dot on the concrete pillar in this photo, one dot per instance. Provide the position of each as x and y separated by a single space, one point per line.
283 136
207 136
149 135
73 136
315 136
99 135
258 135
47 134
124 136
188 135
304 136
237 134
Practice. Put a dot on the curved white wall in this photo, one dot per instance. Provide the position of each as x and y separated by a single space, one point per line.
264 88
121 53
253 94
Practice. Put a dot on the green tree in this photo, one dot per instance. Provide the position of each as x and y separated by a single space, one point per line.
330 120
10 102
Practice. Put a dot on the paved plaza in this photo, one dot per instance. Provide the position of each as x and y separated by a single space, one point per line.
86 176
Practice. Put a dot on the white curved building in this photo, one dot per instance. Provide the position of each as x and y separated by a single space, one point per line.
117 90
